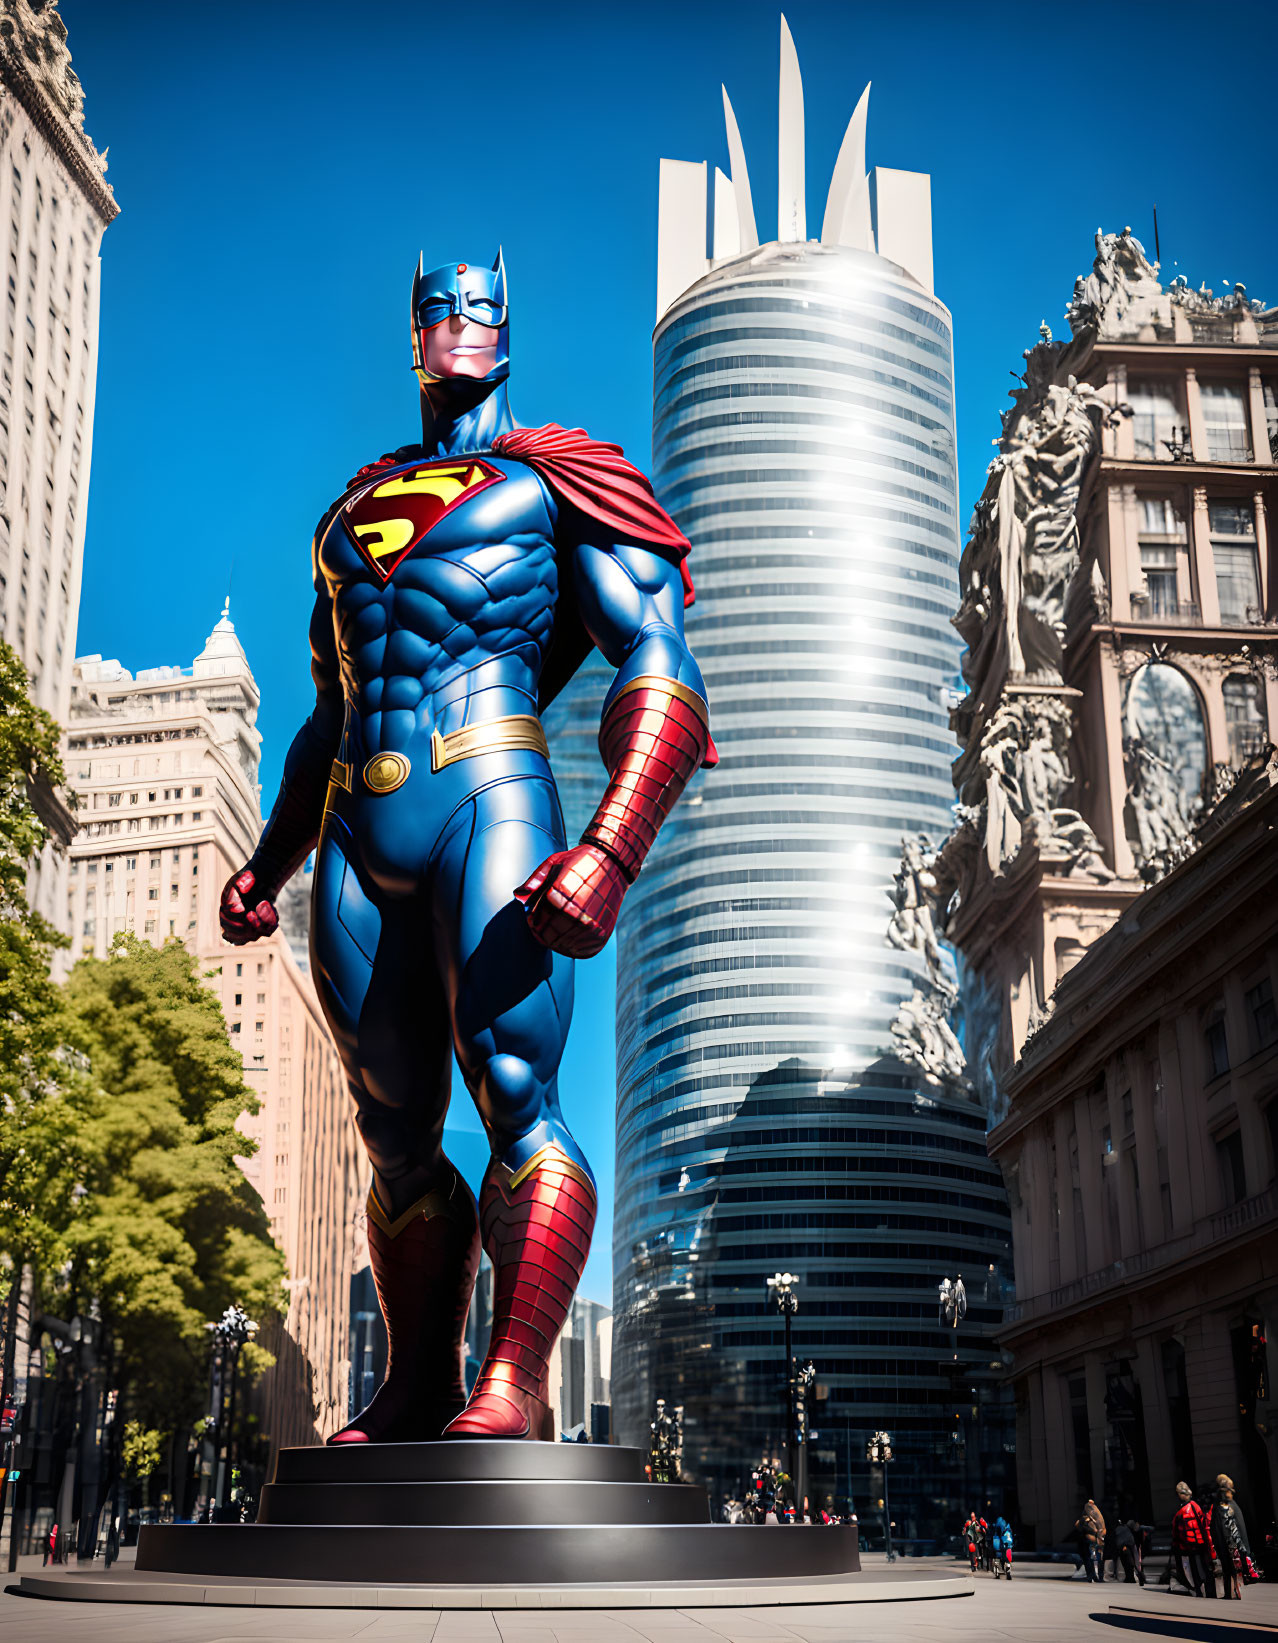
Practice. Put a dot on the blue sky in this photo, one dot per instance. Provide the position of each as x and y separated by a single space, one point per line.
280 163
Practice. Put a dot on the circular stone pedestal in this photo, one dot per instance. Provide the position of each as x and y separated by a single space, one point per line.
479 1513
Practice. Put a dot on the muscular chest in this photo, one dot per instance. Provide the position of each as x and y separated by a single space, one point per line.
454 555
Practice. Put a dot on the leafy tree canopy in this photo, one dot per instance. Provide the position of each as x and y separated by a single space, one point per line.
39 1148
169 1231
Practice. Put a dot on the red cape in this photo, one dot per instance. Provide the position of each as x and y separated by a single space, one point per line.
596 478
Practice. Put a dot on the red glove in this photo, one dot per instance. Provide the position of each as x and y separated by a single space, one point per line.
246 913
573 900
653 736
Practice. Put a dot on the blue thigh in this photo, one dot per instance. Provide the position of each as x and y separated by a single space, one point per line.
374 968
510 997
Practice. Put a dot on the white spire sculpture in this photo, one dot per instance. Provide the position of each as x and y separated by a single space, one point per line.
792 216
747 233
885 212
847 210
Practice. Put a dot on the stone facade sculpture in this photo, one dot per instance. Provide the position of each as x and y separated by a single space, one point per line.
921 1033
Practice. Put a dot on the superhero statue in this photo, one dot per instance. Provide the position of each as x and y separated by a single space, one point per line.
459 585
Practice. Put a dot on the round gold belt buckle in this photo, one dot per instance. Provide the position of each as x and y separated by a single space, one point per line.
384 772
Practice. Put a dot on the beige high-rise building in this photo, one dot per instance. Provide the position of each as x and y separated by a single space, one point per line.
166 768
56 205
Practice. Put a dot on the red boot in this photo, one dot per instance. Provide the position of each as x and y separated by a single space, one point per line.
424 1265
537 1225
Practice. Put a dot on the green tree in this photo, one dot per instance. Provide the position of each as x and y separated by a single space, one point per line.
169 1231
39 1148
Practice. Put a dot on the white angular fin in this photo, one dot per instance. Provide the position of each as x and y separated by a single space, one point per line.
727 226
681 229
847 207
740 178
792 218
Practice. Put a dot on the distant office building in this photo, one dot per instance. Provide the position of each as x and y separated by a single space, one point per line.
166 768
1112 889
580 1370
803 438
57 204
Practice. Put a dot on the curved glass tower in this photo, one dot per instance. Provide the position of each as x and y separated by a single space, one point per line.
803 438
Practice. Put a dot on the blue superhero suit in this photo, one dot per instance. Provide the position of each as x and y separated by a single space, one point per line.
445 577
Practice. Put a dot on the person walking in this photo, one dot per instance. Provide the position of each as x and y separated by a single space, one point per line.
1091 1526
1192 1549
1001 1542
971 1529
1127 1547
1229 1533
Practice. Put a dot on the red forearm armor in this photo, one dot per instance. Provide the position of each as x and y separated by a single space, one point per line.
653 737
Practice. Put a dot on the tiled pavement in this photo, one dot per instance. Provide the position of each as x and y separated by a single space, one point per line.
1034 1608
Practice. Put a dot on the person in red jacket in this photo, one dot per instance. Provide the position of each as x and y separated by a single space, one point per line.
1192 1544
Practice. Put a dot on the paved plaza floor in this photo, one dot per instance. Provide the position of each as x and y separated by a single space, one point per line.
1034 1608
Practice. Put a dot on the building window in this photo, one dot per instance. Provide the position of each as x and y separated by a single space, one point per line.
1217 1048
1260 1007
1225 416
1233 1172
238 999
235 1026
1233 546
1163 544
1156 419
153 894
1244 717
130 864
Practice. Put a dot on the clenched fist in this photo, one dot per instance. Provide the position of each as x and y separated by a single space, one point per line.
246 912
573 900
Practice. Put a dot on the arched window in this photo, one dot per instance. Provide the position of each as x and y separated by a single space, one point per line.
1245 717
1163 714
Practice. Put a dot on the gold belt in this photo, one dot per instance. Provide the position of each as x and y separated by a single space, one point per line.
517 730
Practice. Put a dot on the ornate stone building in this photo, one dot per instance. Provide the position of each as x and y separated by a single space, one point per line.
166 768
56 205
1121 621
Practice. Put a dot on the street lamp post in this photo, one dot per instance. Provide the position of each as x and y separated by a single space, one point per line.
229 1334
782 1285
879 1452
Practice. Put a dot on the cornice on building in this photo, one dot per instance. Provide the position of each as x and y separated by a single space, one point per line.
27 37
1213 1243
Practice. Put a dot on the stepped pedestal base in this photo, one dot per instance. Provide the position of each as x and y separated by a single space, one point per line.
487 1525
484 1514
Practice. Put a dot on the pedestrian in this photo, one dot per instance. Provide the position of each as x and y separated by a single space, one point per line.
1192 1549
983 1544
1001 1544
1091 1526
970 1532
1229 1533
1127 1547
51 1545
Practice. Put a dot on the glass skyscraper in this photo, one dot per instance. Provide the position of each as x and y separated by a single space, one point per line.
803 438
